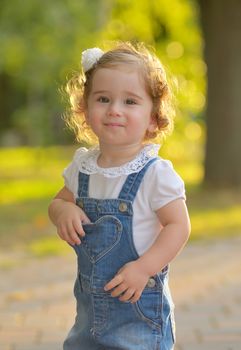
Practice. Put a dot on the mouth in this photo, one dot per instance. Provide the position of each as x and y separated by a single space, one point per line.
114 125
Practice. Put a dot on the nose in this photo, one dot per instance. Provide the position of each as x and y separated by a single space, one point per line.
114 110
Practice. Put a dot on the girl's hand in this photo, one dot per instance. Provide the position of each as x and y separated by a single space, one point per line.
128 283
69 222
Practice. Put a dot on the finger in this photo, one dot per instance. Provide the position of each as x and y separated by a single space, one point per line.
136 297
64 236
77 226
118 279
119 290
72 234
127 295
84 218
60 233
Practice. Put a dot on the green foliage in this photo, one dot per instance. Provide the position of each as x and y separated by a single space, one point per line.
41 43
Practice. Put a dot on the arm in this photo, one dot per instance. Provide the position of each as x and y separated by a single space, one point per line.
132 278
67 216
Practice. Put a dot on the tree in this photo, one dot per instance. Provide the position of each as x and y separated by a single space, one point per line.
41 42
221 23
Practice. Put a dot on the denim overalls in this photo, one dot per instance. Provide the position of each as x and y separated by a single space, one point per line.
103 322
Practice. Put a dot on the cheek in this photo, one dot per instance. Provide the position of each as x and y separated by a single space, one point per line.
90 113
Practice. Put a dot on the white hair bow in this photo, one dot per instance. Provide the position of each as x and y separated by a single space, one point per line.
90 57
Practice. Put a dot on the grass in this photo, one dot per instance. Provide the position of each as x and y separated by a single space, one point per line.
215 213
31 173
30 177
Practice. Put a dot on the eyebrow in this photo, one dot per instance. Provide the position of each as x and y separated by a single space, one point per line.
100 92
128 93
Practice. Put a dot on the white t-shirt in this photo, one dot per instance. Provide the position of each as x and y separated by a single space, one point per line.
160 185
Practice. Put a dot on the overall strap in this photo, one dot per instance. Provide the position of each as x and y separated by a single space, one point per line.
132 183
83 185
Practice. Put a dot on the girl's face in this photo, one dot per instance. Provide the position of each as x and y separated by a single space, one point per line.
119 109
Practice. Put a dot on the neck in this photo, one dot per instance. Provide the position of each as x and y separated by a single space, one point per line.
117 156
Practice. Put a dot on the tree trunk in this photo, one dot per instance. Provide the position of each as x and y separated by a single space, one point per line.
221 22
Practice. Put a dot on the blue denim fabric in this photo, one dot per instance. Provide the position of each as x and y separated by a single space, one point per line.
103 322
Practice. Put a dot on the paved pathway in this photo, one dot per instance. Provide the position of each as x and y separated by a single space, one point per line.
37 308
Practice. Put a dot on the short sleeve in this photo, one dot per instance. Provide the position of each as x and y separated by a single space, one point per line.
71 172
164 184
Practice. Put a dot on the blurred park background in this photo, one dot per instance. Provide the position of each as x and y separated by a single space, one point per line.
41 44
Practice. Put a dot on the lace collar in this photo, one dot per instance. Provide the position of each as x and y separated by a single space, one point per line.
88 162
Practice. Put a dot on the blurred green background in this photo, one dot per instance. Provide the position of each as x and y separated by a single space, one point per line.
41 44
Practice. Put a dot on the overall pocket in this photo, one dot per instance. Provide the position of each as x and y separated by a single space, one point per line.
149 307
100 237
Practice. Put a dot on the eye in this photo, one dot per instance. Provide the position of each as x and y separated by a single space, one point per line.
103 99
130 101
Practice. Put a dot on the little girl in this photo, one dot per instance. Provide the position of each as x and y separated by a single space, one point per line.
122 207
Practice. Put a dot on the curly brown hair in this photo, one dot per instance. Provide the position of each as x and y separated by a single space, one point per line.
79 86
